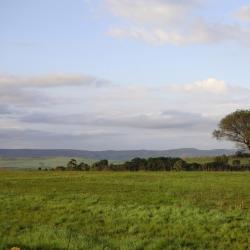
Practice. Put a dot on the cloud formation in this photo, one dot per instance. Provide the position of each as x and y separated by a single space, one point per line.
243 13
174 22
4 109
110 114
25 91
211 85
169 119
151 11
53 80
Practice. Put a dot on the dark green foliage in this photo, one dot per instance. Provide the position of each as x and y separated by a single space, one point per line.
60 168
220 163
179 165
235 127
240 154
83 166
222 160
101 165
236 163
136 164
161 163
193 166
72 165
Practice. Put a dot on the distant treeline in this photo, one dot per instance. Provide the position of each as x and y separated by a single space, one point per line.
241 154
220 163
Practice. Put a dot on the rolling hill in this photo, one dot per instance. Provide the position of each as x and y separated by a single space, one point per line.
111 154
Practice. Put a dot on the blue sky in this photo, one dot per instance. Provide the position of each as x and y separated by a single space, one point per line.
130 74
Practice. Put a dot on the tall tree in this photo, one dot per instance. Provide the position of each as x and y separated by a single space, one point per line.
72 164
235 127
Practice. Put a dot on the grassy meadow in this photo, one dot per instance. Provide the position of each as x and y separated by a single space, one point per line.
202 160
111 210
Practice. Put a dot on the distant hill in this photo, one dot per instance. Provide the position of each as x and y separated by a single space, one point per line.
112 154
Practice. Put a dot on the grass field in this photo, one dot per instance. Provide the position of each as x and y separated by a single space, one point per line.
202 160
110 210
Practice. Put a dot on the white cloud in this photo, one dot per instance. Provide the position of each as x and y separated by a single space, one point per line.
210 85
53 80
150 11
243 13
174 22
29 90
199 32
155 36
168 120
131 112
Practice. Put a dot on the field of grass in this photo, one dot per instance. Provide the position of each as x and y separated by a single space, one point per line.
202 160
110 210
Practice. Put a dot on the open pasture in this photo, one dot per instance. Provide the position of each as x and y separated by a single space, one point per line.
110 210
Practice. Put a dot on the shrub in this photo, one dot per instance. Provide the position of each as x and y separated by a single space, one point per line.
72 164
100 165
221 160
60 168
179 165
236 163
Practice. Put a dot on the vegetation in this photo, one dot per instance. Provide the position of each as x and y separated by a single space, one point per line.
219 163
60 163
39 162
121 210
235 127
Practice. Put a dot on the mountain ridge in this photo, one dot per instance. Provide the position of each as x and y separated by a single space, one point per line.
114 154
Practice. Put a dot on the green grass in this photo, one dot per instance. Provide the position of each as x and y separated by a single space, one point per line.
109 210
202 160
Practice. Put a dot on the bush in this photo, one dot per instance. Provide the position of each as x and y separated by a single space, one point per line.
236 163
100 165
179 165
221 160
60 168
72 165
221 163
193 167
83 166
242 154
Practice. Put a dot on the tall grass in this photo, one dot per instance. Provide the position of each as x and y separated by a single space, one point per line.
109 210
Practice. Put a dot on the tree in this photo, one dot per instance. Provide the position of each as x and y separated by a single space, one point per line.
72 164
60 168
235 127
101 165
222 160
83 166
132 165
179 165
236 163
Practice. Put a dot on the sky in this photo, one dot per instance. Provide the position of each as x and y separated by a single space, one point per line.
121 74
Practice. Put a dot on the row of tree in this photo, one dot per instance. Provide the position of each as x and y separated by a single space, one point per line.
220 163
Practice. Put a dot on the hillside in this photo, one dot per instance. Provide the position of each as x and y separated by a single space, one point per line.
111 154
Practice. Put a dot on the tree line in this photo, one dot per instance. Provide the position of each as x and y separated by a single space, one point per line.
233 127
220 163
